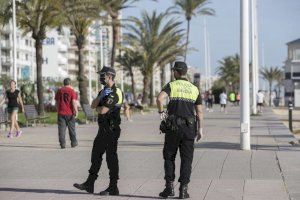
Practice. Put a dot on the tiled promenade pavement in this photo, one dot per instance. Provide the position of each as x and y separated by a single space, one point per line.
34 167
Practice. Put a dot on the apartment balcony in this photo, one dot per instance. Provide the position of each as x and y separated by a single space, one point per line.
5 45
6 61
62 60
6 29
62 47
72 56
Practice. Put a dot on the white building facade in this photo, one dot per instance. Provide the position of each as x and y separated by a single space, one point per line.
25 54
292 72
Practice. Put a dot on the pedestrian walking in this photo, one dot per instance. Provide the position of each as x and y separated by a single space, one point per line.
260 100
14 101
232 98
108 104
181 127
223 101
238 98
210 101
66 103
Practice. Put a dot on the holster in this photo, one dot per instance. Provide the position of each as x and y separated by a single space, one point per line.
169 125
172 123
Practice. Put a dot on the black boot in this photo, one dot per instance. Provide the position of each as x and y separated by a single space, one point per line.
112 190
168 191
88 185
183 194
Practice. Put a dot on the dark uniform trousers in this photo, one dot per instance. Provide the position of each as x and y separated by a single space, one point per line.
106 142
183 140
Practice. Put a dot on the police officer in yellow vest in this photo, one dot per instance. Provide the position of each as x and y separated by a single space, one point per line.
108 104
182 123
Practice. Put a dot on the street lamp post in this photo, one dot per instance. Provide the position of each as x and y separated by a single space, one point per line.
205 57
244 77
101 51
255 83
90 67
14 43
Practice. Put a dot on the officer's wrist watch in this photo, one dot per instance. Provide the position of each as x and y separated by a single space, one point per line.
160 112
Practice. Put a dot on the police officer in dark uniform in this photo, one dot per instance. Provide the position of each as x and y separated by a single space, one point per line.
181 123
108 104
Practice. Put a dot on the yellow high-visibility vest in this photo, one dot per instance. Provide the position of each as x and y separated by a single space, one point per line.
120 96
183 90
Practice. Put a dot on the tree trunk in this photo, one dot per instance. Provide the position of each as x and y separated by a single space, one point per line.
145 89
82 79
132 84
115 40
39 74
171 73
162 77
187 39
151 91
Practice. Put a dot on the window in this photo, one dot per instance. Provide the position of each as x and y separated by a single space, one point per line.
297 54
26 42
18 55
26 56
289 94
296 74
288 75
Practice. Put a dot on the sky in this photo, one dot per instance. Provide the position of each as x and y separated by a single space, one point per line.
278 23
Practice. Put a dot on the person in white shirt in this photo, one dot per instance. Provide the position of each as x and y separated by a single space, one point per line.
260 100
223 101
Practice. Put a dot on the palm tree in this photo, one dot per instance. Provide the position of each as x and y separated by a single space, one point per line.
271 75
79 15
113 8
130 59
35 17
229 71
280 82
156 37
192 8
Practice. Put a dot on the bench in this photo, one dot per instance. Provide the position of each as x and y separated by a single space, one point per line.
89 113
3 117
31 114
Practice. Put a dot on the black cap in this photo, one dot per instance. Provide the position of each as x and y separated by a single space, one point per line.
180 67
107 70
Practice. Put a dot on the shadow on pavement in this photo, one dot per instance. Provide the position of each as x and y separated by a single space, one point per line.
217 145
140 196
236 146
40 191
275 136
31 146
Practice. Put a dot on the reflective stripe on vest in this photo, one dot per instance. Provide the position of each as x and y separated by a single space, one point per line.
183 90
120 95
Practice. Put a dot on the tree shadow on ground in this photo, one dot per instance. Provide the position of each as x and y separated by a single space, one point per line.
69 192
236 146
52 191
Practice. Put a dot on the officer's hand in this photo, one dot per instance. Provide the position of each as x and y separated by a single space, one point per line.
76 114
199 134
163 115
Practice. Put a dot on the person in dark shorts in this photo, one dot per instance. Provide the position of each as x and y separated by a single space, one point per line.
14 101
66 102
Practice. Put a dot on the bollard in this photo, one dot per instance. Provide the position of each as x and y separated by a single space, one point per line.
291 115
